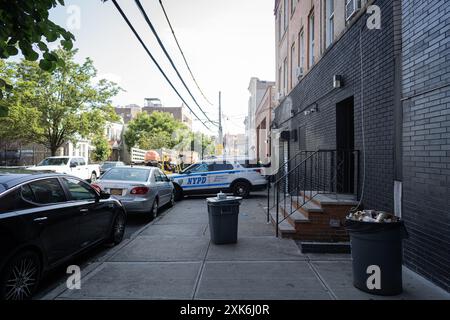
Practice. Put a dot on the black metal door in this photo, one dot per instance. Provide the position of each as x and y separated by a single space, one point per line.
345 143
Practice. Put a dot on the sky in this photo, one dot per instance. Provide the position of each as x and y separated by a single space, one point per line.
226 42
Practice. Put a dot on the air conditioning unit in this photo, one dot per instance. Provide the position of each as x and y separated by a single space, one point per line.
299 72
280 96
351 7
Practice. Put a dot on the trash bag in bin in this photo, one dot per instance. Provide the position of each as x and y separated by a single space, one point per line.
377 254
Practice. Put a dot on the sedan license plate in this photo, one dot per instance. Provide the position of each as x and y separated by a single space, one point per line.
116 192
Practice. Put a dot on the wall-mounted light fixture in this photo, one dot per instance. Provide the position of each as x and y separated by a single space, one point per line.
338 81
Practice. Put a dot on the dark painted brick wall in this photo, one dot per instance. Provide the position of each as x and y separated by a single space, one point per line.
344 58
426 137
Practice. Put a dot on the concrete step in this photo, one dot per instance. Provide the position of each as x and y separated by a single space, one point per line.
295 217
330 199
306 205
324 247
285 228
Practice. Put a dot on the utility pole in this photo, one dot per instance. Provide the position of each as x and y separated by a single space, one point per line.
220 119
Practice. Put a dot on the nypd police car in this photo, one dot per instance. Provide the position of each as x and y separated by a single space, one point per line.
212 176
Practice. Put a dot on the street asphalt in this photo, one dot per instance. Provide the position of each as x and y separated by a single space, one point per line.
173 258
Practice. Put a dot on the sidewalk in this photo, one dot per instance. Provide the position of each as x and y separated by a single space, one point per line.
173 258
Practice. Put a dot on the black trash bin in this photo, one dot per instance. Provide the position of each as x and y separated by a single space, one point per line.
377 256
223 219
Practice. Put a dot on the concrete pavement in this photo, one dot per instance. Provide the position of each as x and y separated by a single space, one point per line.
173 258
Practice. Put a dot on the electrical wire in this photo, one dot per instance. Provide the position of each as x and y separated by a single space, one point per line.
152 28
182 54
153 59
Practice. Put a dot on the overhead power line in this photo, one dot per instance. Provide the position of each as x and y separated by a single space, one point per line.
144 14
153 59
182 54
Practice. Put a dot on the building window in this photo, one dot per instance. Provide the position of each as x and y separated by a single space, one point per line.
351 7
280 74
285 76
311 39
301 49
280 29
285 13
329 22
293 5
293 66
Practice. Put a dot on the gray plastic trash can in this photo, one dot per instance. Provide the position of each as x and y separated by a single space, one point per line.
377 256
223 219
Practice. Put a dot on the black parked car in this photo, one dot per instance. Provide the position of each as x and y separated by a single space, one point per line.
45 220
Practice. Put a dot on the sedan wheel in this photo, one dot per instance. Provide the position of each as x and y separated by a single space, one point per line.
21 277
172 199
155 209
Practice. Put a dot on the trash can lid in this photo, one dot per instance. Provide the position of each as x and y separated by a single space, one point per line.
222 200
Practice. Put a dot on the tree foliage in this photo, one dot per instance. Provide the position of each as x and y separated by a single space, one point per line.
25 27
155 131
102 149
65 104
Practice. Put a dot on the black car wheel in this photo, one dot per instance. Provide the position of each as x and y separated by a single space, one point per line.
118 229
241 189
20 277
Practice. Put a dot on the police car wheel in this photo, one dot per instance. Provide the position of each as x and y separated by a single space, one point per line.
241 189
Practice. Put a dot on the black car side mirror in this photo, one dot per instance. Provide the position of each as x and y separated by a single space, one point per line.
104 195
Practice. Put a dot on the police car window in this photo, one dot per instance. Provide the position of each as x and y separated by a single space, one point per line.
220 167
203 167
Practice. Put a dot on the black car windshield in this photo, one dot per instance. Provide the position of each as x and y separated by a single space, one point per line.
126 174
53 162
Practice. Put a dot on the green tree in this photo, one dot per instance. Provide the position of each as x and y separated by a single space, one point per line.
102 149
25 26
155 131
202 143
67 103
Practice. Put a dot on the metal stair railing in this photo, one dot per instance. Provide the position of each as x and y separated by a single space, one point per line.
319 172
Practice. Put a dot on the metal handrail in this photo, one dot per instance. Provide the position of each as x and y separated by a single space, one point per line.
318 173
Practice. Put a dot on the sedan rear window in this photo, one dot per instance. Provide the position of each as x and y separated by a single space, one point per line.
126 174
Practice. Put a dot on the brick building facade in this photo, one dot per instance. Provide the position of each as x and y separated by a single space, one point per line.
405 153
426 137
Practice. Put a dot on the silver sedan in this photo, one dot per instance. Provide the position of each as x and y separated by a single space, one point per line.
140 189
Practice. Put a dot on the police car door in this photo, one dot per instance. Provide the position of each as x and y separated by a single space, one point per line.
197 178
221 175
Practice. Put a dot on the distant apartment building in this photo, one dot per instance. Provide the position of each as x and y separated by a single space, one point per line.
379 96
263 120
180 113
129 112
257 89
235 144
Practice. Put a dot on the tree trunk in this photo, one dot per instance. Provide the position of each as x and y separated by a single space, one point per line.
53 150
